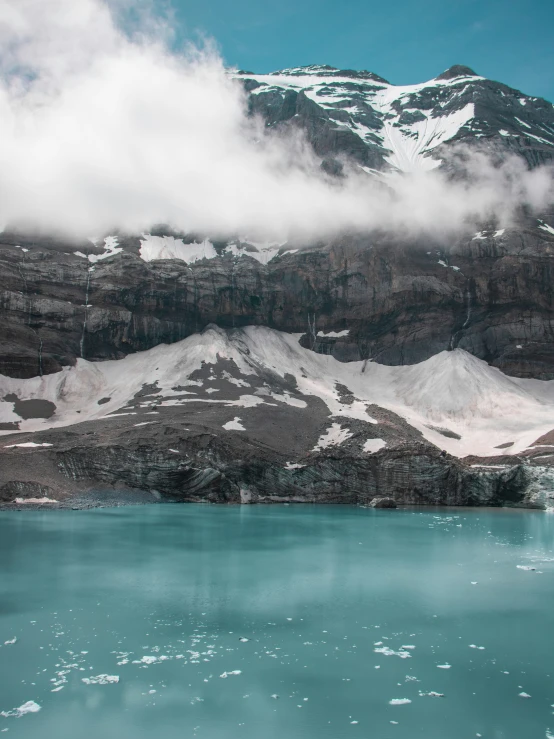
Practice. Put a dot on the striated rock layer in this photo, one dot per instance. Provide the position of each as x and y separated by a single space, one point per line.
393 301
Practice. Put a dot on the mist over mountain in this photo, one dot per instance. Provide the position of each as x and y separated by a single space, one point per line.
101 130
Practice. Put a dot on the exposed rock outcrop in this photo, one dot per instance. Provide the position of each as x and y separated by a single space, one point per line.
394 301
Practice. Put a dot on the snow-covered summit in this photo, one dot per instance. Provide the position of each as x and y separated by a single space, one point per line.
359 115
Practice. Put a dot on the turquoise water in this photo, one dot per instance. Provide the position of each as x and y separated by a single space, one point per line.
161 596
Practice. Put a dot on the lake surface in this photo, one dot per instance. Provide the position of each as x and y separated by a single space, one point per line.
295 622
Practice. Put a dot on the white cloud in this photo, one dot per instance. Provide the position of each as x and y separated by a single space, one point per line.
99 130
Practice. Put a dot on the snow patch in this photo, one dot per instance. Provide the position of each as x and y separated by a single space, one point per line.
168 247
27 445
373 445
545 227
334 334
234 425
37 501
334 436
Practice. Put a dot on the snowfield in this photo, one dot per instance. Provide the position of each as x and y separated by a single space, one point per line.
452 390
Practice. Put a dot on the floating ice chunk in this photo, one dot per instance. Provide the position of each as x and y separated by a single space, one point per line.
399 701
402 653
444 667
474 646
234 425
232 672
432 694
100 680
29 707
11 641
524 695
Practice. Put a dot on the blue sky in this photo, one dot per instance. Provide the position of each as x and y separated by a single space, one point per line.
402 40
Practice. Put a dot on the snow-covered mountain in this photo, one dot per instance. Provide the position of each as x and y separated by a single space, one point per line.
379 125
334 370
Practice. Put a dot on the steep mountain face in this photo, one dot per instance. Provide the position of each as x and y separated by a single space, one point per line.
334 371
393 301
408 128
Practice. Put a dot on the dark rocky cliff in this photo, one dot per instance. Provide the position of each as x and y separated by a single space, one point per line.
401 301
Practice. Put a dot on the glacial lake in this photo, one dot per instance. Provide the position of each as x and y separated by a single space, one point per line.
276 622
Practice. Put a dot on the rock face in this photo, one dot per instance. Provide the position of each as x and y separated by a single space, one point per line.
390 301
383 503
202 466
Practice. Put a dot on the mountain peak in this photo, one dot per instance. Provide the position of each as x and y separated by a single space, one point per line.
458 70
325 70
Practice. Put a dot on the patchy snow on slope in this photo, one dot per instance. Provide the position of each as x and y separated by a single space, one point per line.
27 445
168 247
411 144
334 436
261 252
545 227
111 247
234 425
334 334
373 445
454 389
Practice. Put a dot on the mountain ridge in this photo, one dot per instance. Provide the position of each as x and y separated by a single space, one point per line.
361 116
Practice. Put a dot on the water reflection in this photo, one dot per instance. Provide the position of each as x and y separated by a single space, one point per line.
313 589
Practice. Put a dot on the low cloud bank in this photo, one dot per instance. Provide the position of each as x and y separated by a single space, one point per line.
100 130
